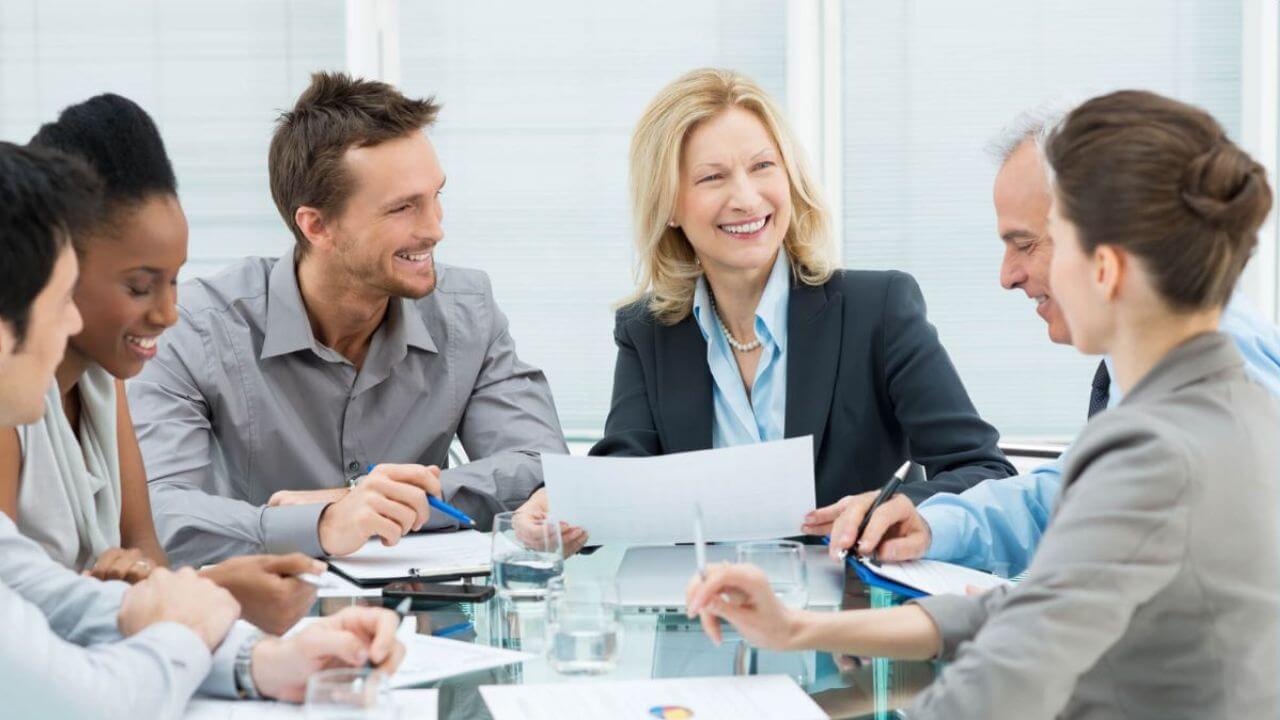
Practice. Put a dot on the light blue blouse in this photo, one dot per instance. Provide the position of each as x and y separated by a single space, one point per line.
739 420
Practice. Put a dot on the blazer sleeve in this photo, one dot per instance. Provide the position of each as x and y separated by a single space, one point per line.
957 448
630 429
1118 539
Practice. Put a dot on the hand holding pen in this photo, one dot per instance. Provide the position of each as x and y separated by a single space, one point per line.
854 514
388 503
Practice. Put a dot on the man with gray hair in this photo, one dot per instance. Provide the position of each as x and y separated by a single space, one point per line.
997 524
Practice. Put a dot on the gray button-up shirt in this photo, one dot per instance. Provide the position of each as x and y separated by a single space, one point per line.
242 400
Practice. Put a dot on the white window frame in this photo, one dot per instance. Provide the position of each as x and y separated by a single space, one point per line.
814 97
373 40
1260 137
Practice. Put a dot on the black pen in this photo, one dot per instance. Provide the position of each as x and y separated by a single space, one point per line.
887 492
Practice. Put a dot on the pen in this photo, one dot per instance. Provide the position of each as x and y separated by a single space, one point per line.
699 541
315 581
440 505
401 610
887 492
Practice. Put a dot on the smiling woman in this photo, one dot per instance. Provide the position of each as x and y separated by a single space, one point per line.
743 331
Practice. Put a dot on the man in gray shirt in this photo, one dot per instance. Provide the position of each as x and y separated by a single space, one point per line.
132 650
285 378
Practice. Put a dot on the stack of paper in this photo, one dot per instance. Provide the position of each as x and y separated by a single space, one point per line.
425 556
760 697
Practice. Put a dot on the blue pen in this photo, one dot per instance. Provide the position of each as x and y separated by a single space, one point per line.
439 504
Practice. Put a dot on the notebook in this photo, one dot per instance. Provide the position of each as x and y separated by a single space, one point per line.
422 556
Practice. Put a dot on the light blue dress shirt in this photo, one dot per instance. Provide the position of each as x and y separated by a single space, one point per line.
996 524
739 420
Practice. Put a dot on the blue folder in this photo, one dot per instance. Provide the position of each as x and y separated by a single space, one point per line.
869 577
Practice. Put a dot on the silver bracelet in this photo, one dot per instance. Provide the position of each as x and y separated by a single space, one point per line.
245 687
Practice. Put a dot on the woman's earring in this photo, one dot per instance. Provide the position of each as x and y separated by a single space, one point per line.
671 223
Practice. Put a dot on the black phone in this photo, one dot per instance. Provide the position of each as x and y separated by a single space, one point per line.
444 592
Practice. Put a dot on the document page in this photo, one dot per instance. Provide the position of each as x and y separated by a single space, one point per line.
428 658
935 577
416 704
747 492
425 555
760 697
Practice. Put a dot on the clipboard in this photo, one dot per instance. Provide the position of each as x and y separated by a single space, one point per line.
868 577
427 557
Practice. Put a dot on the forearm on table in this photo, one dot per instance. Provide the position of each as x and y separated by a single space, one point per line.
904 633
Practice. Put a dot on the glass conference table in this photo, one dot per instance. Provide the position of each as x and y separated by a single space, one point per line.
661 646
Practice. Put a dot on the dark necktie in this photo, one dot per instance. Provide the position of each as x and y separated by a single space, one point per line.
1101 391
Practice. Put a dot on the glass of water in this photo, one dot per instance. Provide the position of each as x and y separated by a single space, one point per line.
349 694
584 626
527 554
783 561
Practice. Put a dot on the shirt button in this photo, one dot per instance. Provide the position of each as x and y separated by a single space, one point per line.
353 466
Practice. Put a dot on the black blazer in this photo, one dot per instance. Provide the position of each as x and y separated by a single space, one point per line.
866 376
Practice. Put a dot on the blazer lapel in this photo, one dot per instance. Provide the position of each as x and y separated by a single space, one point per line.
684 386
814 324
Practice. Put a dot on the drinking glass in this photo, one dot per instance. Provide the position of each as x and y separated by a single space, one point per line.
349 694
527 554
584 626
783 561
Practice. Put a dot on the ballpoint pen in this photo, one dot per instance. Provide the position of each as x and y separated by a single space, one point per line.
699 541
885 493
440 505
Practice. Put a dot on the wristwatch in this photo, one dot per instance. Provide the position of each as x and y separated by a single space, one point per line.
243 673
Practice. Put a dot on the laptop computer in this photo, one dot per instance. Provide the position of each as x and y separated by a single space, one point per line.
652 579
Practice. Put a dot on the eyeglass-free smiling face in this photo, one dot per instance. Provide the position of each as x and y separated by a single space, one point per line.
734 204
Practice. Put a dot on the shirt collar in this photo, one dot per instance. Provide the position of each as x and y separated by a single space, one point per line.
289 328
771 311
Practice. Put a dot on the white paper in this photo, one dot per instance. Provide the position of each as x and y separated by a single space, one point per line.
747 492
428 658
760 697
413 705
430 554
935 577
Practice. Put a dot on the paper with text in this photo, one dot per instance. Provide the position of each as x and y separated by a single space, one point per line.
747 492
935 577
760 697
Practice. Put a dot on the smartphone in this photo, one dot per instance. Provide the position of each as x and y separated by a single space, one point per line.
443 592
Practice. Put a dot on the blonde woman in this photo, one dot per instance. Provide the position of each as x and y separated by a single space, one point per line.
743 330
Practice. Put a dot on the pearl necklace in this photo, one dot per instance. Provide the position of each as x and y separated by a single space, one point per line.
733 342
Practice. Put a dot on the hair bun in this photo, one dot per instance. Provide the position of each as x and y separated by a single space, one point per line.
1227 189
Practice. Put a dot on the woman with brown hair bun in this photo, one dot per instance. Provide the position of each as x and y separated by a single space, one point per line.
1152 594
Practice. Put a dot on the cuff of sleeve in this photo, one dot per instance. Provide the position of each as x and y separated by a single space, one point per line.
293 528
187 656
221 682
957 617
946 531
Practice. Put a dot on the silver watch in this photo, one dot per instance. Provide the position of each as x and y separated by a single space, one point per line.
243 674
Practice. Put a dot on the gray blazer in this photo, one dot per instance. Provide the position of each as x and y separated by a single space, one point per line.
1155 592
